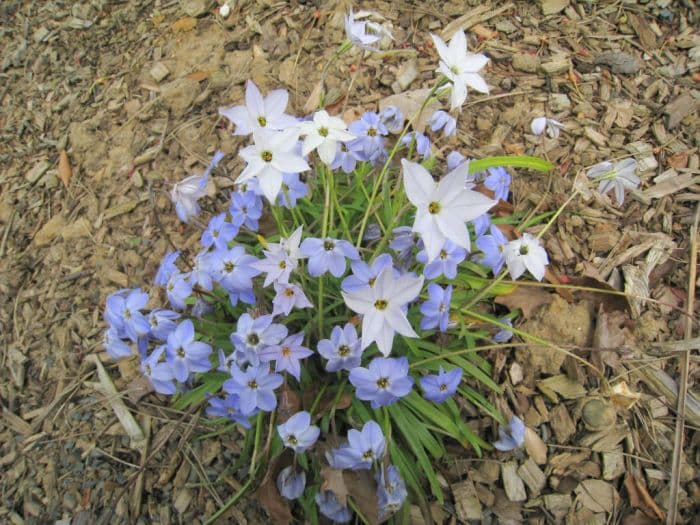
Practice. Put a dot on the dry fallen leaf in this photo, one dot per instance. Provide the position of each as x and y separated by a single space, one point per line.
184 24
65 171
333 480
268 495
526 298
198 76
597 495
640 498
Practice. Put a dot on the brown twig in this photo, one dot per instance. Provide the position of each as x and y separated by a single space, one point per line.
683 383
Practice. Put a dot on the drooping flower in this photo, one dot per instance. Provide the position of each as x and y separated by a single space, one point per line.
481 224
288 296
445 263
228 407
392 118
523 254
504 335
498 181
383 382
327 255
188 191
291 482
617 177
167 268
342 350
178 289
540 124
492 247
186 355
158 372
331 508
258 112
420 141
454 159
323 134
439 387
255 386
391 490
442 207
298 433
460 67
117 348
436 310
511 436
273 153
381 307
363 448
442 120
287 354
364 34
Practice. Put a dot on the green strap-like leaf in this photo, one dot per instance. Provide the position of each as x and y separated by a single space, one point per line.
515 161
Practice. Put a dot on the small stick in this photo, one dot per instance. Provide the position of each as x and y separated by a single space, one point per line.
683 384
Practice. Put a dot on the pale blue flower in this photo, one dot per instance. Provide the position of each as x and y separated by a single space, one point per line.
167 268
330 507
298 433
442 120
230 408
383 382
445 263
342 350
327 255
187 192
439 387
293 189
291 482
219 232
158 372
186 355
498 180
362 450
253 335
246 209
287 354
391 491
436 310
255 387
392 118
511 436
288 296
492 248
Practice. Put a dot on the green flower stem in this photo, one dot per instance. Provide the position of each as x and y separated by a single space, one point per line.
334 195
279 221
337 397
317 399
464 351
382 174
230 502
529 337
256 445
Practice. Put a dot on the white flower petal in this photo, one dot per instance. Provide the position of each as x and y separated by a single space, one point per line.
538 125
475 81
418 183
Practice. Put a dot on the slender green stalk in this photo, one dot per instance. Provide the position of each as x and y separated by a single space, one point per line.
317 400
529 337
385 169
256 445
279 221
230 502
464 351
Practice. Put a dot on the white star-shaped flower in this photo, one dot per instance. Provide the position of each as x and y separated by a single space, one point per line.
617 177
442 207
460 67
324 133
272 154
381 308
525 254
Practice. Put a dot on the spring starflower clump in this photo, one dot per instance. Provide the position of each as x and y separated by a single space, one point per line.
332 290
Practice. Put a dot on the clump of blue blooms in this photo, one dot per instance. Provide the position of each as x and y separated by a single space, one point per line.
343 250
